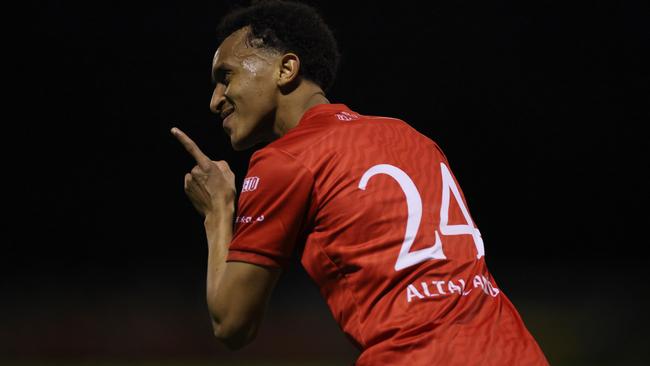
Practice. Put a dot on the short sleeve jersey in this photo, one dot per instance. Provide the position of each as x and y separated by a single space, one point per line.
382 227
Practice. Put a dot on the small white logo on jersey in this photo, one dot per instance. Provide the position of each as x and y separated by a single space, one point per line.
345 116
250 184
249 219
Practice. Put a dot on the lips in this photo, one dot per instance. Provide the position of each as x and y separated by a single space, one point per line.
225 116
227 112
226 126
225 122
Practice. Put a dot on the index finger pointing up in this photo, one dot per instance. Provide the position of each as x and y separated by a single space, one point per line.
201 159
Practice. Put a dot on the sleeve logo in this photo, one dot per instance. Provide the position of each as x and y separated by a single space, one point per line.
250 184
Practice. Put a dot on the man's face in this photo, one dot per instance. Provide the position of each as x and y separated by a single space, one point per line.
245 90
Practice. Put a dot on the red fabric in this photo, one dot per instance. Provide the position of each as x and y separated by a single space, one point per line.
306 185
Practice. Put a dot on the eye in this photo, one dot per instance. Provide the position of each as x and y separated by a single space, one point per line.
225 77
222 76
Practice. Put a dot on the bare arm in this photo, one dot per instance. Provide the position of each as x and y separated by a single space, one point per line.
236 292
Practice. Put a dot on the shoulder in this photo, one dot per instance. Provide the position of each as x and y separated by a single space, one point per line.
277 162
333 129
316 124
272 155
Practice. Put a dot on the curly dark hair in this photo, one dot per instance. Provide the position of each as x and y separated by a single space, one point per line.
288 26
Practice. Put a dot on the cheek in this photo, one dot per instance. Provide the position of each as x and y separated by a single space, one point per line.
254 96
266 88
260 95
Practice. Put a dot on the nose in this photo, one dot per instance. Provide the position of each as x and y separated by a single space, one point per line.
218 98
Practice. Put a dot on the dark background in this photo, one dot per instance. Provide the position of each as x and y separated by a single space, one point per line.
535 105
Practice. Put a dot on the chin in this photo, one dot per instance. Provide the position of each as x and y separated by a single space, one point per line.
239 145
234 141
246 142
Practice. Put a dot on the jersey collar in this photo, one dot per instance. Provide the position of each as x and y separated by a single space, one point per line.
322 109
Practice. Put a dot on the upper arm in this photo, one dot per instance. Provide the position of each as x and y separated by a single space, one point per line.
239 304
272 212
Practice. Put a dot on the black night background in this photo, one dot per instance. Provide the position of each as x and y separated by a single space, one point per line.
533 104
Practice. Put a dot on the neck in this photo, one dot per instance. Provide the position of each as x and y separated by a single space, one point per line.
291 110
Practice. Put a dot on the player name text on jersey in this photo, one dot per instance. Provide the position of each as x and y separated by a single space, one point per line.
423 290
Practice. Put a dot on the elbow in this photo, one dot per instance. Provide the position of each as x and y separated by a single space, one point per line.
234 336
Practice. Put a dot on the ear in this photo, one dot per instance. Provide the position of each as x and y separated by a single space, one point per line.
289 69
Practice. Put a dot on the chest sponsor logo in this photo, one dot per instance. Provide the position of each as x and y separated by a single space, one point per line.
250 184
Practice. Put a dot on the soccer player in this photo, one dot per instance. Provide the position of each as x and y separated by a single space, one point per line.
369 205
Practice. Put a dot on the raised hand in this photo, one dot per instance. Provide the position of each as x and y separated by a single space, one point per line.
210 185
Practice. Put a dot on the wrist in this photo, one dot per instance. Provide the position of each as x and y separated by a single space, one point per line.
221 215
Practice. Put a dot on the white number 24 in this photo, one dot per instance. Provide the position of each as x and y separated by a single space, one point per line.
407 257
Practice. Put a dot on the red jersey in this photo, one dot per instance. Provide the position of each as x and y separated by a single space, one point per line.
384 230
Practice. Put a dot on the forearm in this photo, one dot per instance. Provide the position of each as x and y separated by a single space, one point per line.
218 229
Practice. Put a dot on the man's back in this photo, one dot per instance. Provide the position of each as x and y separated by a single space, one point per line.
386 234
